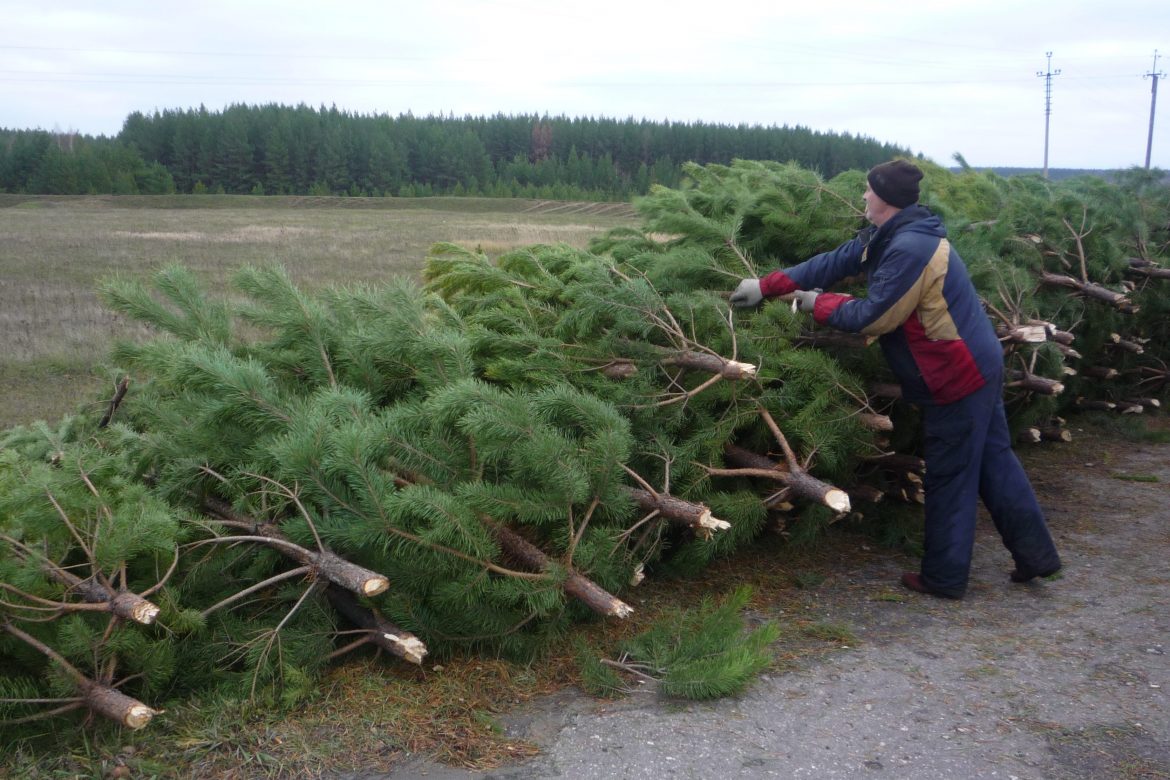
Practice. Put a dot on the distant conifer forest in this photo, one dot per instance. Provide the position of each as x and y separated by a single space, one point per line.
285 150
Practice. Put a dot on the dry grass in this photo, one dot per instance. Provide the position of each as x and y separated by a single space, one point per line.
54 330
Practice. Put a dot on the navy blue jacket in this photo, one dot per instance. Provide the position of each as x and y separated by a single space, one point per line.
920 301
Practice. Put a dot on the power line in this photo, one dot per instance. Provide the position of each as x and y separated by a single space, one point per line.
1047 103
1153 74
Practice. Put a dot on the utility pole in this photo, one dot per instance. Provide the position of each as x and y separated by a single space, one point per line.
1047 103
1153 74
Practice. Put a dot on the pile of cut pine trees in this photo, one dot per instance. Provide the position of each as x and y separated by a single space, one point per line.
476 464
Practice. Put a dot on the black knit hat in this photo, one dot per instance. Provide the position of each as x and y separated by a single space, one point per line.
895 182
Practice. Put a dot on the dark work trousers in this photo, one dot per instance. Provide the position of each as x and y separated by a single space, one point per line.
968 454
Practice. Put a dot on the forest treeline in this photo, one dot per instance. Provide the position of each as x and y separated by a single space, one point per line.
285 150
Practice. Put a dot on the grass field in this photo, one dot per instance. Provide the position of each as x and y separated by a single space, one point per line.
54 251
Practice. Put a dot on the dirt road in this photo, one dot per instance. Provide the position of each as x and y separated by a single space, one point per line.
1068 678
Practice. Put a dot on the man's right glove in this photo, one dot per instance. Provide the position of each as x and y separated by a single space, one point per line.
806 300
747 295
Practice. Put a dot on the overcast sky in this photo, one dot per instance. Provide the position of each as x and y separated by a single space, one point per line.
937 77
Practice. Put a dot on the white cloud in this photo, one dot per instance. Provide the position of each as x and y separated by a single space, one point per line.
937 77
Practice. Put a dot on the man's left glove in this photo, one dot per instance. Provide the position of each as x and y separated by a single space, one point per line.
805 300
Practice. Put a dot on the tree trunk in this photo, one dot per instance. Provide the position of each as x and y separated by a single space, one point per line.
677 510
876 422
577 586
1139 266
1029 436
327 564
866 493
1090 290
886 390
383 633
1055 433
897 462
711 364
126 605
115 402
800 482
620 369
1035 384
116 705
1128 345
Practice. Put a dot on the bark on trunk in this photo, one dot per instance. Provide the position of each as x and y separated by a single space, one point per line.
1090 290
327 564
383 633
678 511
1035 384
115 402
126 605
866 493
711 364
1128 345
1139 266
897 462
620 369
1029 436
1055 433
800 482
876 422
576 585
116 705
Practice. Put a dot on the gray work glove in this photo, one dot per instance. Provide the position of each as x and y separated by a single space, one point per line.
747 294
805 300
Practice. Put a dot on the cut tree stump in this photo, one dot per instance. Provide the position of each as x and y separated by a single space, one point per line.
116 705
802 484
1090 290
382 632
576 585
327 564
711 364
678 511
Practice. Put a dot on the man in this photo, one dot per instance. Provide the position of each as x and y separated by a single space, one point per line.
943 349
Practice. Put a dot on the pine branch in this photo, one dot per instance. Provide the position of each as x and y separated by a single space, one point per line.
300 571
229 517
127 605
115 401
102 699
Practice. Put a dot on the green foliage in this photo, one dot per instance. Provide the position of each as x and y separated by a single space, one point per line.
325 152
74 510
704 653
400 427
